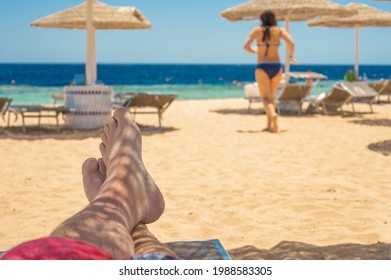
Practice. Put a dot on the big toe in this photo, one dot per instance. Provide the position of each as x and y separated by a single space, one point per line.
121 114
124 119
90 176
90 167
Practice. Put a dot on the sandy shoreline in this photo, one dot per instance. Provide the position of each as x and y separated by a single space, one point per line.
320 181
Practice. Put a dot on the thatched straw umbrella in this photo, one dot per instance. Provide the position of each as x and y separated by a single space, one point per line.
286 10
93 15
366 17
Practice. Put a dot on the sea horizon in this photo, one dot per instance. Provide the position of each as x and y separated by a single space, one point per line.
33 83
186 63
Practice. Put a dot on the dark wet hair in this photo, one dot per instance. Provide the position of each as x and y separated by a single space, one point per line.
268 20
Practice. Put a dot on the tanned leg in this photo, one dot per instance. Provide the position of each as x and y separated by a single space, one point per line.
146 243
127 197
264 86
94 174
273 89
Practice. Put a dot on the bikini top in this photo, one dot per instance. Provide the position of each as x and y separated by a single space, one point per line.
267 44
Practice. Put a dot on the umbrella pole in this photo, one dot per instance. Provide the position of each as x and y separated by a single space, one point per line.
91 48
356 58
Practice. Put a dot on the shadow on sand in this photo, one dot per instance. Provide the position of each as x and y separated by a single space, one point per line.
373 122
239 111
50 132
383 147
289 250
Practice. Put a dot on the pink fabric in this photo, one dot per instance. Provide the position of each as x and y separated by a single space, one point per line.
55 248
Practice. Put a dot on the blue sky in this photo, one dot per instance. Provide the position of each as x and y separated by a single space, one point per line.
185 31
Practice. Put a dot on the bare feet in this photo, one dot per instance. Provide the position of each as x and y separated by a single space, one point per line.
274 127
126 175
127 196
94 175
269 125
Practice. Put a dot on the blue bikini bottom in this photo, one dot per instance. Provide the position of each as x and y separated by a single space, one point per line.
271 68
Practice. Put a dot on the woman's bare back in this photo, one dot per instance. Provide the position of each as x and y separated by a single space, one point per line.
268 50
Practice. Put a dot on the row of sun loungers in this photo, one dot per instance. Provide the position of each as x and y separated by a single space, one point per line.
137 103
290 97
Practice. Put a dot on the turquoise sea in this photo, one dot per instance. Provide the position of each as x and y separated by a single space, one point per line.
35 95
34 83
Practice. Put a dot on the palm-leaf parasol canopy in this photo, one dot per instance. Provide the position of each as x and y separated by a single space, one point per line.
294 10
93 15
366 16
285 10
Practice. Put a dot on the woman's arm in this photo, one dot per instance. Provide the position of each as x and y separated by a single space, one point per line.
291 45
247 45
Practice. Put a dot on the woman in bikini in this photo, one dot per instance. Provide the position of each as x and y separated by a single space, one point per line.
269 69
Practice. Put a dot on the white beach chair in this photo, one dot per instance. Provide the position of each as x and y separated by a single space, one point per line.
329 102
251 93
382 87
291 97
361 92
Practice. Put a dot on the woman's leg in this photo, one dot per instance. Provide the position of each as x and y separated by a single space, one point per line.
94 174
275 81
264 85
127 197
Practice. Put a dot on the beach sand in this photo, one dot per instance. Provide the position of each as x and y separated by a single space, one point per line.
320 189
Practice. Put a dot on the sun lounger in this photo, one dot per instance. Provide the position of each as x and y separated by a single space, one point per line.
287 90
382 87
123 97
330 102
211 249
36 111
291 98
199 250
4 105
159 102
361 92
251 93
343 94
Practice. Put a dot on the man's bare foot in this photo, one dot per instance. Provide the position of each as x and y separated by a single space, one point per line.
126 175
274 127
94 175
